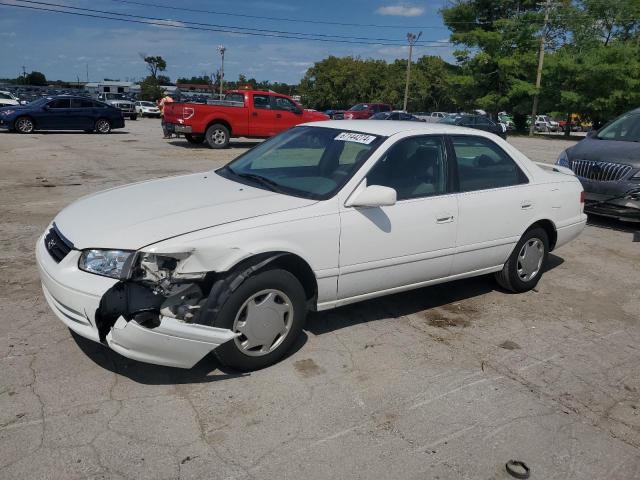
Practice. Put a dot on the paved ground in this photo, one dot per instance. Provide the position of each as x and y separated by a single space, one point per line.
444 382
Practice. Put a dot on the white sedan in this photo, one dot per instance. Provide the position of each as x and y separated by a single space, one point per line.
322 215
147 109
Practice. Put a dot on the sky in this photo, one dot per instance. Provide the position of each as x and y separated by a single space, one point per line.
61 46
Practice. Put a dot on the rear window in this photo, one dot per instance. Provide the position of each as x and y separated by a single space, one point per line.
234 97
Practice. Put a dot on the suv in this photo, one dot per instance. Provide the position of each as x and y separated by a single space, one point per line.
544 123
119 100
362 111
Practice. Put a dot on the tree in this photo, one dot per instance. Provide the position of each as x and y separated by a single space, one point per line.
36 78
164 80
150 89
154 64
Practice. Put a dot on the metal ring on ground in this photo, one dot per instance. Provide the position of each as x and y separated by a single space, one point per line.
517 469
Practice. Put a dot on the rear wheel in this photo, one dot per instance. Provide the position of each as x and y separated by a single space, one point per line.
525 265
103 126
217 136
267 311
24 125
194 139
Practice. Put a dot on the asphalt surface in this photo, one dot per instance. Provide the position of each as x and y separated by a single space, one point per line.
444 382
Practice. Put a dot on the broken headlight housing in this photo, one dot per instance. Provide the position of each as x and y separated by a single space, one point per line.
108 263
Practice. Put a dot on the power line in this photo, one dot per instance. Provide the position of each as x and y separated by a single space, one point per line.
260 17
347 39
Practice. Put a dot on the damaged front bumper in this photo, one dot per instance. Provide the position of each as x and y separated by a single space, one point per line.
75 296
619 200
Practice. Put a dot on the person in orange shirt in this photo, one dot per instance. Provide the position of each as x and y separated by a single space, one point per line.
161 103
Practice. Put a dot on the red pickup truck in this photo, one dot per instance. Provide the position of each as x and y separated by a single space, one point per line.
242 113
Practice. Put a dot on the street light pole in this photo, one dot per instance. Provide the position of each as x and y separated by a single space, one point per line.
222 49
412 38
543 40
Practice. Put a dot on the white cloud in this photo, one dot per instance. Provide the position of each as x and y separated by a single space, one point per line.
401 10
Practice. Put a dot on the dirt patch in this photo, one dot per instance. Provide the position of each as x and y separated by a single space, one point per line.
308 368
436 319
509 345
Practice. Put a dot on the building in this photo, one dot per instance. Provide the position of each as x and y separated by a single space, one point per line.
106 86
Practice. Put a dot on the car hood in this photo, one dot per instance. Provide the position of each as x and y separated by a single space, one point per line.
606 151
137 215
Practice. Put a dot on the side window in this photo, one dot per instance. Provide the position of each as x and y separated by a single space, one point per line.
86 103
466 121
59 103
235 97
394 116
483 165
261 101
415 167
282 103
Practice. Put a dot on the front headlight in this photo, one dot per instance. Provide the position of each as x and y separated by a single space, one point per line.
563 160
7 112
108 263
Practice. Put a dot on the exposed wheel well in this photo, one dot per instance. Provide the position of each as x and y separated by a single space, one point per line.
26 115
291 263
221 122
550 228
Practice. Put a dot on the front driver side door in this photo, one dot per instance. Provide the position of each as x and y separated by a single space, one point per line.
411 242
287 113
54 115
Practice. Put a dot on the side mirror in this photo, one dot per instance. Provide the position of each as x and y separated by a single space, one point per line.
373 196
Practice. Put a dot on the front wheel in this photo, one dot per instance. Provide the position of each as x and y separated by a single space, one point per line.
24 125
525 265
217 136
103 126
268 312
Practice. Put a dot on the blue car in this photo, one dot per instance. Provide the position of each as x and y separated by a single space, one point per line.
61 113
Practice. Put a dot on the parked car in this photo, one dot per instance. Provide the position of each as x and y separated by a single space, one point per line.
479 122
544 123
396 115
243 113
147 109
334 114
607 162
7 98
61 113
433 117
504 117
323 215
362 111
120 100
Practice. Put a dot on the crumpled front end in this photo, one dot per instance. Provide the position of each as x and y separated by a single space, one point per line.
620 200
153 315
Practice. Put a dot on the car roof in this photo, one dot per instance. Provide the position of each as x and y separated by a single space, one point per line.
393 127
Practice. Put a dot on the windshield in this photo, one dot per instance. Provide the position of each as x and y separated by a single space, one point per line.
40 101
625 129
309 162
359 107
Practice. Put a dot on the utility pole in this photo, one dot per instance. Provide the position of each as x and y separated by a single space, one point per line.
24 75
543 40
87 72
222 49
412 38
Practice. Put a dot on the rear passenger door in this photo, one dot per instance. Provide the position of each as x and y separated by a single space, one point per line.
262 122
494 201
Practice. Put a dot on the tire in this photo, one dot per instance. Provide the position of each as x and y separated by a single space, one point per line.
217 136
24 125
269 287
103 126
522 274
195 140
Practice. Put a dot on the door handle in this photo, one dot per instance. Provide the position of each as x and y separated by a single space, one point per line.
526 205
278 115
255 114
445 219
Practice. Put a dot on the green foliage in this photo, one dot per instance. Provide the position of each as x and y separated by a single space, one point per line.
155 64
342 82
150 89
35 78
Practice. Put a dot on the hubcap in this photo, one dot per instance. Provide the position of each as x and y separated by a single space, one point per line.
263 322
219 137
530 259
25 125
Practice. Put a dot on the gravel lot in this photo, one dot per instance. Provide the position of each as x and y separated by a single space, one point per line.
443 382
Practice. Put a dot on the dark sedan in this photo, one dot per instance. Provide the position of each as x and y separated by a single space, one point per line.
478 122
395 116
61 113
607 162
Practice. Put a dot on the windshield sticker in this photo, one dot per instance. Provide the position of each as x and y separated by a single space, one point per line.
355 137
